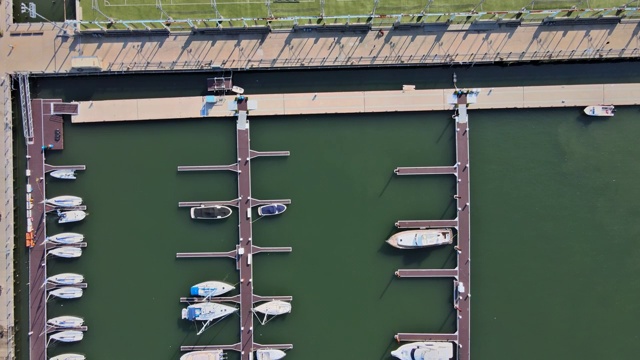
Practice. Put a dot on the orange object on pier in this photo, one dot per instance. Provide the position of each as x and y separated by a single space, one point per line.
30 241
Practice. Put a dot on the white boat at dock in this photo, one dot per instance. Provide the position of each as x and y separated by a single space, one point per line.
68 357
269 354
66 279
66 321
67 336
414 239
271 209
237 89
275 307
66 292
214 212
211 288
71 216
66 252
66 238
203 355
65 201
64 174
428 350
600 110
207 311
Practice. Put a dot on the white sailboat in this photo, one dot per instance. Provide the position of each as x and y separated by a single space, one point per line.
66 252
272 308
65 201
203 355
211 288
64 174
413 239
66 279
68 357
428 350
67 336
66 292
269 354
207 312
70 216
66 321
66 238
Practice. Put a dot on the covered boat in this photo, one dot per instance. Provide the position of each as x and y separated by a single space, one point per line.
65 201
237 89
68 357
207 311
412 239
210 212
271 209
66 279
67 336
66 252
70 216
269 354
428 350
66 238
66 292
203 355
211 288
275 307
64 174
600 110
66 321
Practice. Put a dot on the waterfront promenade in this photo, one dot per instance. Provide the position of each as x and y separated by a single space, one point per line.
359 102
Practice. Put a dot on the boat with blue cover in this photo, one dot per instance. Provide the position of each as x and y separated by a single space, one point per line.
207 311
271 209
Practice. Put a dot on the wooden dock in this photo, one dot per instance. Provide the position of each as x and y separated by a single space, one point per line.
360 102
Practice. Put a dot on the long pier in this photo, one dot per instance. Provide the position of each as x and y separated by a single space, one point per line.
360 102
245 249
462 272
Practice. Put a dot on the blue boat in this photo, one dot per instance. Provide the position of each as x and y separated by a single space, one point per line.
271 209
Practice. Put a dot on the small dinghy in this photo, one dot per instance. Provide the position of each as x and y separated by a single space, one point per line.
600 110
67 336
203 355
66 238
66 279
271 209
64 174
67 293
210 212
65 201
70 216
269 354
211 288
237 89
66 321
68 357
275 307
66 252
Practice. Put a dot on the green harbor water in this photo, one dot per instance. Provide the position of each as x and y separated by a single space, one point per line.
553 224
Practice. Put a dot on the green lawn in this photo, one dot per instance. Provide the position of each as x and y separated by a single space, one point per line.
203 9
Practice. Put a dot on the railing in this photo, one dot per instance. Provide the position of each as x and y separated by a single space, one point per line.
8 9
25 105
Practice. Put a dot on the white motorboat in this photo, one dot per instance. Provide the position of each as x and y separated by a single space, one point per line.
66 321
214 212
65 201
600 110
67 292
68 357
66 279
211 288
413 239
271 209
66 252
67 336
70 216
207 311
275 307
66 238
269 354
64 174
428 350
203 355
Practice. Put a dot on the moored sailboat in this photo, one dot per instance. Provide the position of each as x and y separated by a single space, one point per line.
428 350
203 355
66 279
68 357
412 239
66 321
64 174
66 293
65 201
211 288
68 252
66 238
71 216
275 307
67 336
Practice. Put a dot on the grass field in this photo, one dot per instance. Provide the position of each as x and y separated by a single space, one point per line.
205 9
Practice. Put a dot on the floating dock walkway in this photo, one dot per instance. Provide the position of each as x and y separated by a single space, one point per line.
359 102
245 249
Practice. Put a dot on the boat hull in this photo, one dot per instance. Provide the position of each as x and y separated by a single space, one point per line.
71 216
271 209
215 212
66 321
68 357
436 350
270 354
275 307
67 293
64 174
415 239
66 252
203 355
211 288
66 238
600 110
207 311
66 279
65 201
68 336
